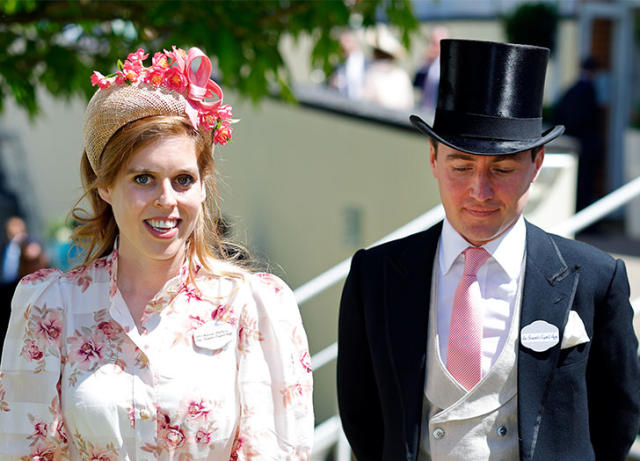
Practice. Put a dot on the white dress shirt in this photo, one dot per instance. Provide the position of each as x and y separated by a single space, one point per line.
498 278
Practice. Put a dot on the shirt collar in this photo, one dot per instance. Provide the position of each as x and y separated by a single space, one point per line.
507 250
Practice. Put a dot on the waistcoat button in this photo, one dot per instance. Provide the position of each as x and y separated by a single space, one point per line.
438 433
145 414
502 431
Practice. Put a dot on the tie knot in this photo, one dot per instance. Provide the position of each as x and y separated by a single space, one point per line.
474 257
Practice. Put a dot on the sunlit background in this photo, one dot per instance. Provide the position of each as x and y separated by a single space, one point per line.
323 160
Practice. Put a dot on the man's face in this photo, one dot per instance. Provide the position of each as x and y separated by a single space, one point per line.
483 195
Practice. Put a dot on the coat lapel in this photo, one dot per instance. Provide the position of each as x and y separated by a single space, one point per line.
406 304
549 289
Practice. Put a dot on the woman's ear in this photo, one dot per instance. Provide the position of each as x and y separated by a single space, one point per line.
105 194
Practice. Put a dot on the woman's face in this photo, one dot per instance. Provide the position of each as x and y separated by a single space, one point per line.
156 199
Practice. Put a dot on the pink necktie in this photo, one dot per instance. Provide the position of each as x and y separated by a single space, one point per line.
465 332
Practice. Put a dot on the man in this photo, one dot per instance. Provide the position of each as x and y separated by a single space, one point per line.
428 75
484 337
580 112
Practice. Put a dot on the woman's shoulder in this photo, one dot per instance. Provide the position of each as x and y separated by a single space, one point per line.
79 277
265 281
40 287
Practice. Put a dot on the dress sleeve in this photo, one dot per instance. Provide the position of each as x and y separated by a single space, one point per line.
31 423
274 376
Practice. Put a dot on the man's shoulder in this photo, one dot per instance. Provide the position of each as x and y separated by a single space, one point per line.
411 243
575 252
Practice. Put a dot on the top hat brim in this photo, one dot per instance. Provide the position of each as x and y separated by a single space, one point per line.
486 146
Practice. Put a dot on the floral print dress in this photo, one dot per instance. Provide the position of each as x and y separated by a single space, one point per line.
219 370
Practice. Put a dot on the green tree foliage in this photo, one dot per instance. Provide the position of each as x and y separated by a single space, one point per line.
533 23
58 44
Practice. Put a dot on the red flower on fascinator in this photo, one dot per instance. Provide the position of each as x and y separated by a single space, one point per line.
186 73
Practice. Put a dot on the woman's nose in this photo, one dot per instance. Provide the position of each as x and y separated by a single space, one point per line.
166 195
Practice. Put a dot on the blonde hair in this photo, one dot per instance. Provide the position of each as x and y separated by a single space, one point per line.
98 230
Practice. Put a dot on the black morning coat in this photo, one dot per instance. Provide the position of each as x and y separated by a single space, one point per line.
581 403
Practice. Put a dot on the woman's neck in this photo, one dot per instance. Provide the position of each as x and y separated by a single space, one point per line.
140 279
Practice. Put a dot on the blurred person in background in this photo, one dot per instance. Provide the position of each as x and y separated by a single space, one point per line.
33 257
578 110
16 233
348 77
159 346
386 83
428 75
22 256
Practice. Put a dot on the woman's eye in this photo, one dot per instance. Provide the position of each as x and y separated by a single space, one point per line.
184 180
142 179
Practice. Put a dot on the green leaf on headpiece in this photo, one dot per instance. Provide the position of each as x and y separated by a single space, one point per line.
120 65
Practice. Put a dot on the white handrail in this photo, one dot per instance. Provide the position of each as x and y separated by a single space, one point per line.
340 270
324 356
598 209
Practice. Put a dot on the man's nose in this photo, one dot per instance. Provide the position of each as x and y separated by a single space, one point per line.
481 187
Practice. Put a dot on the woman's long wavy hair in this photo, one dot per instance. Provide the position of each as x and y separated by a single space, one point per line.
97 229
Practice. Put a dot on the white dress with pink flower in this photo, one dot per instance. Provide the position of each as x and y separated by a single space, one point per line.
219 371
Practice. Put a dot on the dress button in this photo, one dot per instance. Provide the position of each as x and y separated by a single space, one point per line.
502 431
145 414
438 433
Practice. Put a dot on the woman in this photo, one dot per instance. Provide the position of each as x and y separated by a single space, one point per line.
157 347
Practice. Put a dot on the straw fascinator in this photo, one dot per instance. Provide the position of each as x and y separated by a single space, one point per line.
177 83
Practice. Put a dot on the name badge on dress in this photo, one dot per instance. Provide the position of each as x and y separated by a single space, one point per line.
213 335
539 336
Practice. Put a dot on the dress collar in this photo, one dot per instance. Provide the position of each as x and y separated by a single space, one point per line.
163 297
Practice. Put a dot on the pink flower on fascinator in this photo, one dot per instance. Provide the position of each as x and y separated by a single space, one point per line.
155 76
208 120
98 79
222 135
160 61
132 70
138 56
175 80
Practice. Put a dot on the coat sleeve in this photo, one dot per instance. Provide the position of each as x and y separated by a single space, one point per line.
358 397
274 376
613 374
31 423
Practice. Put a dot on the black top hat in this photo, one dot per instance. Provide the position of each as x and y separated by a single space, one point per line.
490 98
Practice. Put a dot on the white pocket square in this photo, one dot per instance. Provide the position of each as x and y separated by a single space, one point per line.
574 332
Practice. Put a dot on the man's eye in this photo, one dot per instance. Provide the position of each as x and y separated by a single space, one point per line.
142 179
184 180
504 170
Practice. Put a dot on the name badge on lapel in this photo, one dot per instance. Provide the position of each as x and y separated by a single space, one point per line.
539 336
213 335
